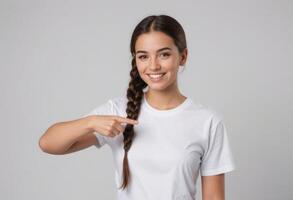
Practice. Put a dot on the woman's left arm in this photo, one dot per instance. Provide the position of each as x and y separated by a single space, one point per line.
213 187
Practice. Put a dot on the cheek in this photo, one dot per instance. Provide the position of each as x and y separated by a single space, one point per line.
169 63
140 65
170 66
141 70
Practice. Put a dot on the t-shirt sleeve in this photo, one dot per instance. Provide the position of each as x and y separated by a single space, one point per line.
217 157
103 109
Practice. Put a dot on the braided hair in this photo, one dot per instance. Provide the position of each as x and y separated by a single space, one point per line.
172 28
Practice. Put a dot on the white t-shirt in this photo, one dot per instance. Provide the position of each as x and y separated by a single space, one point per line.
171 147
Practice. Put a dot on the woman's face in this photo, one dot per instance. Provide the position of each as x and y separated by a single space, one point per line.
156 53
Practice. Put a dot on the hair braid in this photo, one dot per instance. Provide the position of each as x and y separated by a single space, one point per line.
134 96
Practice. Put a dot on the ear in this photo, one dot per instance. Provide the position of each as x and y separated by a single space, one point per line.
183 56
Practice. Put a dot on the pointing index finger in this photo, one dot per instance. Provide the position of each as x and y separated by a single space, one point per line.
127 120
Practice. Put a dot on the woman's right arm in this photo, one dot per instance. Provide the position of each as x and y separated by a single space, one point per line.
59 137
70 136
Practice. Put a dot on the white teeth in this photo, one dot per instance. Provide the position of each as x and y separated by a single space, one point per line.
155 76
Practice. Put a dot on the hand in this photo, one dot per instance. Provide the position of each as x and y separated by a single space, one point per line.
110 125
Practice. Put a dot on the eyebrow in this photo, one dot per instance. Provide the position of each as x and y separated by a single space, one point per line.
162 49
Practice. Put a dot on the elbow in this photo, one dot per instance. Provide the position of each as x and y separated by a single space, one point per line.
46 147
43 144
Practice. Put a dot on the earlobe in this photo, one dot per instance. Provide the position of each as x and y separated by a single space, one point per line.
183 60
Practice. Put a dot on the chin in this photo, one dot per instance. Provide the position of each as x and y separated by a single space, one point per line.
156 86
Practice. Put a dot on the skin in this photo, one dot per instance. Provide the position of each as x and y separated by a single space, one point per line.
213 187
165 94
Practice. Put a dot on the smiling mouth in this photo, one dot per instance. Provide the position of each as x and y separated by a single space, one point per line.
156 77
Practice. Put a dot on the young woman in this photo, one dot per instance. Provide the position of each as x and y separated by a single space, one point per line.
160 138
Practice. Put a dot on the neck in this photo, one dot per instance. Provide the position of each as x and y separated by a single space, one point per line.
164 99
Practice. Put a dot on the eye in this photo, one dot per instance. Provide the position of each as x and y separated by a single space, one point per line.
142 57
165 55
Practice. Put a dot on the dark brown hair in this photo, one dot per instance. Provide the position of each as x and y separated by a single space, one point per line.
172 28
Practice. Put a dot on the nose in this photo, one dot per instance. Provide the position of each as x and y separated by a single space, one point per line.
154 64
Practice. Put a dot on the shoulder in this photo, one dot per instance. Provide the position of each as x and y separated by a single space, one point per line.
211 120
118 101
206 112
118 104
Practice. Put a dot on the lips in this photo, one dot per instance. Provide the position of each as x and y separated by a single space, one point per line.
156 77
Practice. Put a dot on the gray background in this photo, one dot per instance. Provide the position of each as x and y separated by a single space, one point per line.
60 59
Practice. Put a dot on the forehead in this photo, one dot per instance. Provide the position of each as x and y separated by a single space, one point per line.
153 41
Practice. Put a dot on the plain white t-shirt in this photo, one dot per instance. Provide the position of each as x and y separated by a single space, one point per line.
170 149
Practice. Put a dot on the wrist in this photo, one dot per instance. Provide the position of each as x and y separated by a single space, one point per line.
89 121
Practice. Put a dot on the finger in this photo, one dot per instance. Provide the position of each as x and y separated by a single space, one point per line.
120 127
126 120
112 135
115 131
